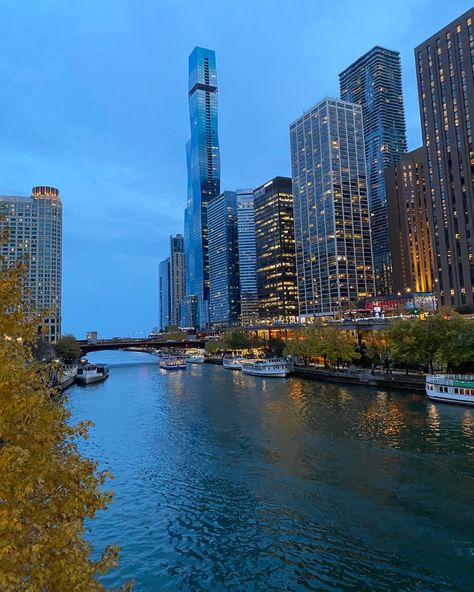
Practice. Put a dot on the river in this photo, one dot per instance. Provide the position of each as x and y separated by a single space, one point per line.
231 482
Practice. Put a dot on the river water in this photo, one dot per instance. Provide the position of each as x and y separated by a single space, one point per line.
231 482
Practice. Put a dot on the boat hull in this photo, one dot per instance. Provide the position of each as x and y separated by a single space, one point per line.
172 367
91 379
265 373
455 399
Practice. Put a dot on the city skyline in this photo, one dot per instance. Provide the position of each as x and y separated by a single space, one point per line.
120 207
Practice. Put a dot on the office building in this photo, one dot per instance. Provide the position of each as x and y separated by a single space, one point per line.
224 301
165 302
408 223
332 227
34 226
177 278
374 81
275 248
247 257
446 96
203 162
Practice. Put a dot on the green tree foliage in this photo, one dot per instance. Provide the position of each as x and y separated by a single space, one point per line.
47 489
238 340
275 347
67 349
441 342
329 343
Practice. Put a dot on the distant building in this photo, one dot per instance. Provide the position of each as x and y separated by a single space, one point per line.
91 336
332 228
446 95
275 245
203 161
408 222
165 302
374 81
224 302
177 278
247 257
35 236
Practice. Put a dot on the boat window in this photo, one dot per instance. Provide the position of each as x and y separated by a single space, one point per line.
456 391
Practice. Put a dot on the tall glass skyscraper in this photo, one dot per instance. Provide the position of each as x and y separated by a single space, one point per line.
177 278
275 247
332 228
374 81
34 226
445 73
247 256
203 160
165 303
224 303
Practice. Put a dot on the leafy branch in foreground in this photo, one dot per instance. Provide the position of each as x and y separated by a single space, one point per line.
47 489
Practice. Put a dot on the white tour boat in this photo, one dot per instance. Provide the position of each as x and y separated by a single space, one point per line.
195 356
90 373
451 388
168 362
232 362
274 367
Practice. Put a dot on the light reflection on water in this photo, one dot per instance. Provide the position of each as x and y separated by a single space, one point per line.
232 482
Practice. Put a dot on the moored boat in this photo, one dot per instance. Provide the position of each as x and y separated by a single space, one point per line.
168 362
274 367
232 362
195 356
451 388
92 373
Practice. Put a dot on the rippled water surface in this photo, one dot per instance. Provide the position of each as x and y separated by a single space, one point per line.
232 482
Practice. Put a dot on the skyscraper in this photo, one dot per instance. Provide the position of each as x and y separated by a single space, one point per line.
34 227
247 257
165 302
332 227
275 246
203 161
177 278
224 302
374 81
408 224
446 95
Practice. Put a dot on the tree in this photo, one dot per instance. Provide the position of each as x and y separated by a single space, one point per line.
276 347
238 339
212 347
68 349
47 489
332 344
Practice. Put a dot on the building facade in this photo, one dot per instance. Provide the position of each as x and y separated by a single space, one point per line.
177 278
34 226
224 301
165 302
446 95
374 81
247 257
275 248
332 226
408 224
203 163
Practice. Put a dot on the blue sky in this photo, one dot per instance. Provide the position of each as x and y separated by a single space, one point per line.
93 100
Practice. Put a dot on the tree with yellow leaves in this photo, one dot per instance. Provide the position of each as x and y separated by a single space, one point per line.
47 489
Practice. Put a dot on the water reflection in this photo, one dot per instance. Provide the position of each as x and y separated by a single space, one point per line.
233 482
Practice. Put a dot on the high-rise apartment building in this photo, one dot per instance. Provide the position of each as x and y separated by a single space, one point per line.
374 81
34 226
247 257
408 223
203 161
275 247
444 64
165 302
177 278
332 226
224 301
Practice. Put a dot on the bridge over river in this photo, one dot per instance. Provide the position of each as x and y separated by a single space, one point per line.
128 342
